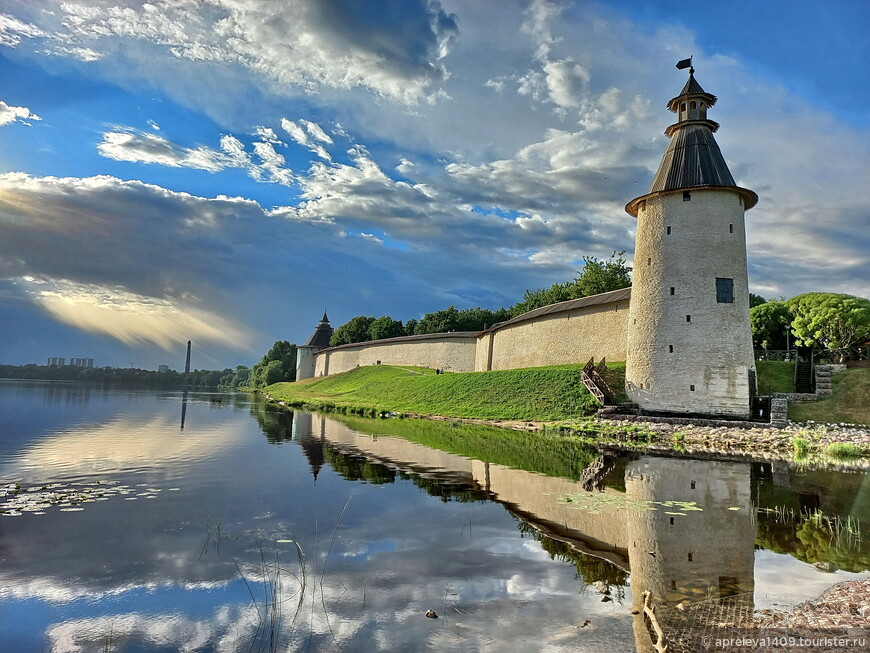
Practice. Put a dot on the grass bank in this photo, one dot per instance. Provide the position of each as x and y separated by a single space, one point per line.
547 452
775 376
538 393
849 403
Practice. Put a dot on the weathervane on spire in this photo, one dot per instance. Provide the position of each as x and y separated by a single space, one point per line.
686 63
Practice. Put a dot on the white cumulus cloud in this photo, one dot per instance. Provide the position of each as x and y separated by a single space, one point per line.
9 114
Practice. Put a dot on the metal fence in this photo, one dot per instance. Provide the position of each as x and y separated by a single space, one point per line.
842 355
820 356
775 355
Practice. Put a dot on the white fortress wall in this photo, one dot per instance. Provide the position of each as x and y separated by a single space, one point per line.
579 330
568 332
453 352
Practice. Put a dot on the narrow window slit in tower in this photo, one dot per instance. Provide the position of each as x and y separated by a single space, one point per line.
693 485
690 557
672 290
673 584
730 228
691 389
687 195
688 318
669 230
672 521
649 261
670 349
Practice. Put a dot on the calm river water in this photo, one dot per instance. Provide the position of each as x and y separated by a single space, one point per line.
155 521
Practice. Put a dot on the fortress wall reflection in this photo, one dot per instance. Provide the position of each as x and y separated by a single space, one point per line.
394 452
701 554
601 532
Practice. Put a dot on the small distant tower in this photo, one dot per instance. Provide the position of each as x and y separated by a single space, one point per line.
187 362
305 359
689 339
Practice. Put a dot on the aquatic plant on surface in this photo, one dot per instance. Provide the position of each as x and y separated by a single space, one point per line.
67 497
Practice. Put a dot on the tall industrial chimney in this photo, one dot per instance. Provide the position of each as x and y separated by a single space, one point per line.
187 362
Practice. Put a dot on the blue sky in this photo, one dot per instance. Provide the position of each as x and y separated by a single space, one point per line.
222 171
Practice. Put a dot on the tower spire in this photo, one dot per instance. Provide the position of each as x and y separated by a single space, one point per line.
693 158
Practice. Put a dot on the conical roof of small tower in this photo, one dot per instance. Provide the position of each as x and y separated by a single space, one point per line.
322 334
693 158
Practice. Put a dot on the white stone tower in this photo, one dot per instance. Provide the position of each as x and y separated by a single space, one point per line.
305 354
689 339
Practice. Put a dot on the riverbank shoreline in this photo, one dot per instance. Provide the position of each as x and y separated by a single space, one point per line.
805 442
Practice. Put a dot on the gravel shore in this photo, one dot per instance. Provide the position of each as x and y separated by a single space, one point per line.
759 441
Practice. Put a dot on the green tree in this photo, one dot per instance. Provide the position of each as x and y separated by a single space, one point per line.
755 300
410 327
452 319
273 373
240 377
355 330
476 319
532 299
441 321
385 327
597 276
829 320
769 322
264 372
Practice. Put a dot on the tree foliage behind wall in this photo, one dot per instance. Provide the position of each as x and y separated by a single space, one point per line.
597 276
829 320
453 319
278 364
355 330
769 322
816 319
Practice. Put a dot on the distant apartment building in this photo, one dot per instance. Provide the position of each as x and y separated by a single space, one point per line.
83 363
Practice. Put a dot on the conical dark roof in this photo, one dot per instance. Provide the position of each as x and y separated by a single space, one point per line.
693 158
322 334
694 89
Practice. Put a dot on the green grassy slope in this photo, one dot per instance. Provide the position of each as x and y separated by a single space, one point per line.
546 453
539 393
775 376
850 401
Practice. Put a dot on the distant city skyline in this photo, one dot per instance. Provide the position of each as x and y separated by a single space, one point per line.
222 171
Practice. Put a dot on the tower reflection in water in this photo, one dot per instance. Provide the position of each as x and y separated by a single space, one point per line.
641 519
